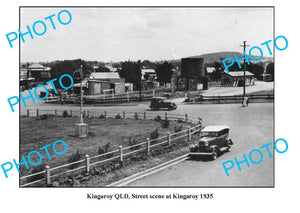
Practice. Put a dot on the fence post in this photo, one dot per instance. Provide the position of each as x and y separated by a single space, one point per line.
27 112
148 146
189 133
200 122
55 112
88 113
124 114
144 115
153 93
169 138
166 116
37 112
121 154
71 113
104 113
127 96
87 161
186 117
47 175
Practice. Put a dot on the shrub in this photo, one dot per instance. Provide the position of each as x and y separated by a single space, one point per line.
101 116
101 150
104 149
157 118
36 169
154 135
165 123
132 143
177 128
136 116
180 121
42 117
75 157
118 116
65 113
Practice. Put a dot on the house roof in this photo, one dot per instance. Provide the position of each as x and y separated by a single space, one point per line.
239 73
104 75
210 69
144 71
214 128
38 67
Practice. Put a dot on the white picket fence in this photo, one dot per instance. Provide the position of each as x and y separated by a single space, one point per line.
89 162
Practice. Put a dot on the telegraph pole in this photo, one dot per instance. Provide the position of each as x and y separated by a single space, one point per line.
244 88
139 67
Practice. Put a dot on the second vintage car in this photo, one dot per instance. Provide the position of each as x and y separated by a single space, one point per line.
213 141
162 103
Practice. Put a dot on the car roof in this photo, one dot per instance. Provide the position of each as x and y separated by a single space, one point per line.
214 128
159 98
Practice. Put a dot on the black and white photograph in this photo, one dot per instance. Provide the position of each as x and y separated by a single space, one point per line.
149 106
146 96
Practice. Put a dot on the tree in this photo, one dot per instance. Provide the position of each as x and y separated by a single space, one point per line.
131 71
164 72
60 68
257 69
270 68
102 69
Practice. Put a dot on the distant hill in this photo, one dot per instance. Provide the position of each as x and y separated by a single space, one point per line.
211 57
218 56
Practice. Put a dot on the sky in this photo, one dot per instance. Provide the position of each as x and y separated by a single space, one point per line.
118 34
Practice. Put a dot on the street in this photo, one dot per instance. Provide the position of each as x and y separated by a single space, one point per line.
250 128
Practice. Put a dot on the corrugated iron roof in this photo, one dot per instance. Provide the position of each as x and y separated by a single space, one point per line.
239 73
104 75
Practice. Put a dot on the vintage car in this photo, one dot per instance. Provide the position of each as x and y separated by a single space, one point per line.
162 103
213 141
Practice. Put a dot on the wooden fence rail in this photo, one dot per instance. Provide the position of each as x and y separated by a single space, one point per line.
231 98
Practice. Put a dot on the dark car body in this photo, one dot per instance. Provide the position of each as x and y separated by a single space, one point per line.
214 139
162 103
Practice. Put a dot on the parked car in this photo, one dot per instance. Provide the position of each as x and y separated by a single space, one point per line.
213 141
162 103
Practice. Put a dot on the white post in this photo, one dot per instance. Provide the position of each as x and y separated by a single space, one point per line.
121 154
189 134
153 93
87 161
148 146
47 175
127 96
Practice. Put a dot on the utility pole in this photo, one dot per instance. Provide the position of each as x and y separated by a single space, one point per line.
139 67
244 88
81 129
81 98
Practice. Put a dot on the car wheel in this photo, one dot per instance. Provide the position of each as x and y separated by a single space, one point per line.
193 157
229 144
214 155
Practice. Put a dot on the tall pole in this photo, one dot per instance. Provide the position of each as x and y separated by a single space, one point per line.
244 87
140 92
81 106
